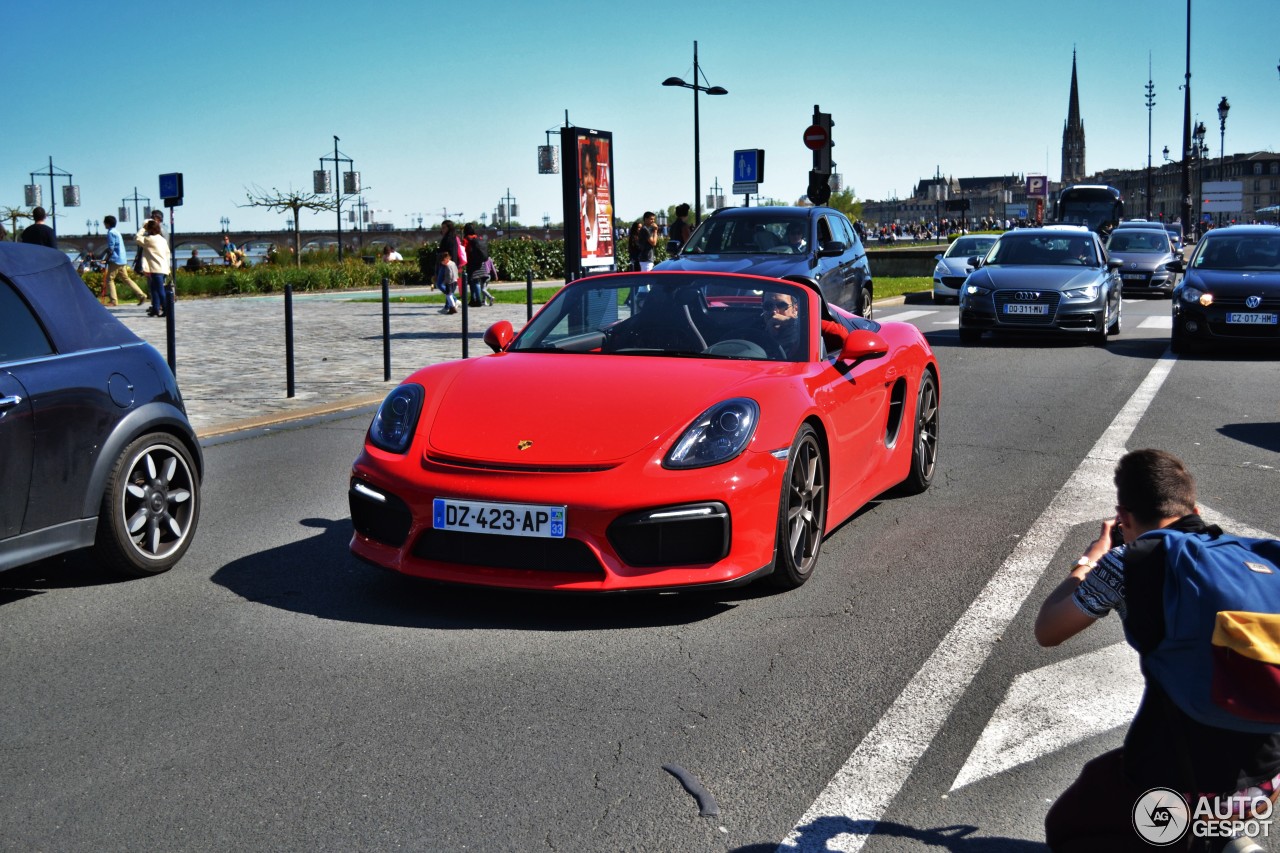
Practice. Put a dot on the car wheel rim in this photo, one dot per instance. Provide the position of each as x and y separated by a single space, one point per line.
157 502
927 430
806 506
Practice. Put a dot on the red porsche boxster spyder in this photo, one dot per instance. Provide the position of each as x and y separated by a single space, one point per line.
647 431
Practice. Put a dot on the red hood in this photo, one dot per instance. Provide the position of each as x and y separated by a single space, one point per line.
575 409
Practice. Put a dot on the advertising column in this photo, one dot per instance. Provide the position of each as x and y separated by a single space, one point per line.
589 244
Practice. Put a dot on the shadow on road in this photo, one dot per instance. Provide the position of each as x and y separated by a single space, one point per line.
319 577
1266 436
960 839
66 571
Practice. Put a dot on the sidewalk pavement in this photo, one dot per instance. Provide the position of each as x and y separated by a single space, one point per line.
230 351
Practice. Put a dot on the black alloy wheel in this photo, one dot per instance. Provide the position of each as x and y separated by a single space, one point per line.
924 446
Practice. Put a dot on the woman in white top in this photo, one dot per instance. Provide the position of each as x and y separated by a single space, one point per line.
154 249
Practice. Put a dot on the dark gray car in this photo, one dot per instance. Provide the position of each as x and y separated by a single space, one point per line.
1145 256
95 446
1055 279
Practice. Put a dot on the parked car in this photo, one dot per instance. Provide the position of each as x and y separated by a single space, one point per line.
95 446
1145 256
953 265
815 242
1230 293
712 436
1055 279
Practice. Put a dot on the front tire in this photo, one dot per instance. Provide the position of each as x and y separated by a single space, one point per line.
924 446
802 512
1114 328
864 302
150 507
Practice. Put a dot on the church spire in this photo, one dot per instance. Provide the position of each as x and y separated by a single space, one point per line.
1073 133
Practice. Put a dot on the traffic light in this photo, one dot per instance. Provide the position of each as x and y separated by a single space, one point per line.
819 186
822 154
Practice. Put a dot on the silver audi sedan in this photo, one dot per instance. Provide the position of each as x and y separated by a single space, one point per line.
1055 279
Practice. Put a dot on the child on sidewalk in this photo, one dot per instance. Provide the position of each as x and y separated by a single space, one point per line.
447 282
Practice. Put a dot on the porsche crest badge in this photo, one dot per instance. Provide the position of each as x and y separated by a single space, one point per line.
524 444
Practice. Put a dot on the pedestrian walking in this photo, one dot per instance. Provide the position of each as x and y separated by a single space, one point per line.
117 264
477 267
153 248
447 280
647 240
681 229
37 233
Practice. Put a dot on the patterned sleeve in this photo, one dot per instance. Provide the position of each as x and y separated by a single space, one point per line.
1102 590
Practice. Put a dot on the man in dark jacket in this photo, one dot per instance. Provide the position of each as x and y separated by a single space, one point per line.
37 232
1164 747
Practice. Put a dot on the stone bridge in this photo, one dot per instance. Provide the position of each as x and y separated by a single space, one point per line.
352 241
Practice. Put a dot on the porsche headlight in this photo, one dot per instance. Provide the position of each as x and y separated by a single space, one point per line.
1191 294
717 435
1088 293
393 426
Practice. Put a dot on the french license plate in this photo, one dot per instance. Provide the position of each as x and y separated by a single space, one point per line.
1251 317
1133 276
1017 308
547 522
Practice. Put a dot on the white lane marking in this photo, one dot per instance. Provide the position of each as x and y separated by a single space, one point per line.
1055 706
907 316
878 768
1160 321
954 321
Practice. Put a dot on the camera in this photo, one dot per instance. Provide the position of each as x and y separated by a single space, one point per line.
1117 535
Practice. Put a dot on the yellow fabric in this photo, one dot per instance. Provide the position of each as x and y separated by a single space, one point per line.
1253 635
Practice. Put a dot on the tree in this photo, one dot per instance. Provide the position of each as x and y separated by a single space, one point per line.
845 202
292 201
13 214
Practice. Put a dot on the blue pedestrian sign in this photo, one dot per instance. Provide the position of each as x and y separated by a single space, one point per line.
748 170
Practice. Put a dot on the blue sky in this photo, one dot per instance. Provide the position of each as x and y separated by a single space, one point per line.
442 106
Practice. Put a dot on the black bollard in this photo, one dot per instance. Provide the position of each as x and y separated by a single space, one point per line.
528 295
288 339
464 299
386 329
171 343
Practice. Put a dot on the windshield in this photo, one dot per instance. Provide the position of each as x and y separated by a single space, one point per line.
1138 242
1259 252
1014 249
968 247
674 314
762 233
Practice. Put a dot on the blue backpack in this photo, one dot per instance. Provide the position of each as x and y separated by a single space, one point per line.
1219 660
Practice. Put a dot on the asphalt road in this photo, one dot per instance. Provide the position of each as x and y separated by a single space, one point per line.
271 693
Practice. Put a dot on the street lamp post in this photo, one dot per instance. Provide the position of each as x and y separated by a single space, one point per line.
697 150
1151 102
71 192
1223 109
351 186
1186 131
1198 150
225 223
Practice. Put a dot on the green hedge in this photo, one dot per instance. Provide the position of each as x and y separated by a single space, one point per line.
272 278
514 258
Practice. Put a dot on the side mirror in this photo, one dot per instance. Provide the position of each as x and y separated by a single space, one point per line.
1115 264
832 248
861 345
937 257
1178 265
499 335
673 247
975 262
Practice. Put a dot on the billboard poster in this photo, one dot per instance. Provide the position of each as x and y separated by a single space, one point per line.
588 200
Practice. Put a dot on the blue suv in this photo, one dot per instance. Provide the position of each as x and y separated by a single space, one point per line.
813 242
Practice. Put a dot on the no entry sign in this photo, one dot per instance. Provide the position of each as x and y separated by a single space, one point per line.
815 136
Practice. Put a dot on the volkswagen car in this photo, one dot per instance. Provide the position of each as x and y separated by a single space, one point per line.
814 242
95 446
953 266
1230 293
1051 280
